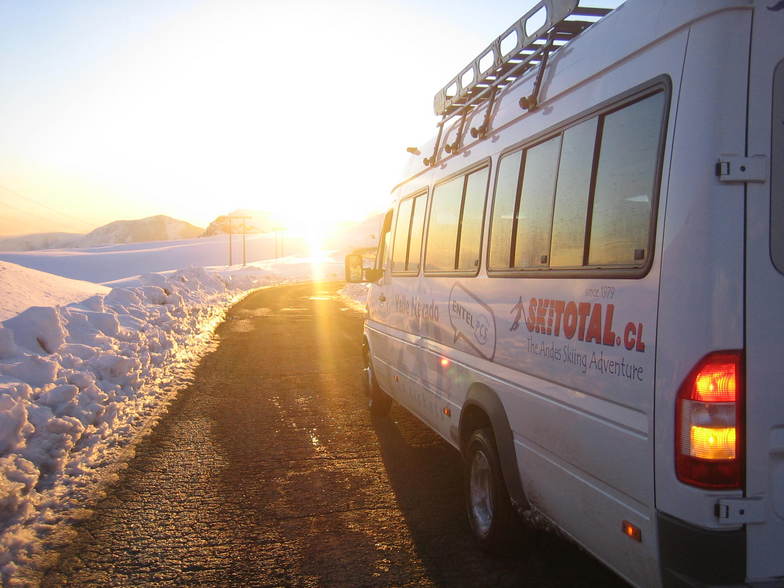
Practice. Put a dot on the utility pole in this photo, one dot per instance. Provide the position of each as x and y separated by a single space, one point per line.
280 240
244 230
229 241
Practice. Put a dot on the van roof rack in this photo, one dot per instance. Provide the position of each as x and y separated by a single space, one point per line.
513 53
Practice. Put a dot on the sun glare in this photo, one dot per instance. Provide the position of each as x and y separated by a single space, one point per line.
190 117
315 241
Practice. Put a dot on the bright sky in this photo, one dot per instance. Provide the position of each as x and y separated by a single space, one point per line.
193 108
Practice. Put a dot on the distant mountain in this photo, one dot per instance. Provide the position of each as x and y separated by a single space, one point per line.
152 228
37 241
259 222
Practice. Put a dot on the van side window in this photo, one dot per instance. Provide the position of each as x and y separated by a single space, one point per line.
571 196
582 198
402 229
408 235
442 231
624 183
471 222
535 214
384 241
455 230
504 210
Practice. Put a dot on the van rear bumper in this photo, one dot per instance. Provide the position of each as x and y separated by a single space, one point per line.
693 556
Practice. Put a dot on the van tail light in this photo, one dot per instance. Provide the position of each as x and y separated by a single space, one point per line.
709 448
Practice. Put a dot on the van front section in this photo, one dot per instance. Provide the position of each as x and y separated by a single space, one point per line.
719 407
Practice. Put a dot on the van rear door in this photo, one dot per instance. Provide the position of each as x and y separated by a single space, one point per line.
765 298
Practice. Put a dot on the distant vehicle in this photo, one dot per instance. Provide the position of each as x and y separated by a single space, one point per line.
581 285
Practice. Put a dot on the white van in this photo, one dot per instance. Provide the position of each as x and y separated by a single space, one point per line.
581 285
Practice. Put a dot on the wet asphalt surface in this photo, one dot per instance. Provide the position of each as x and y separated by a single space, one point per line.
268 471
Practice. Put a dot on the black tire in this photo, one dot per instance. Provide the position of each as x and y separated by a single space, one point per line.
378 401
490 513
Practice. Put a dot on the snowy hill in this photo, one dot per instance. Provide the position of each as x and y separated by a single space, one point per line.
152 228
36 241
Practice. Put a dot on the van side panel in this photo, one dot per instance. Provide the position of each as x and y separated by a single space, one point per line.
571 401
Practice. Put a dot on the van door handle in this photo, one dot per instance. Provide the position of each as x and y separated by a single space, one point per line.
382 298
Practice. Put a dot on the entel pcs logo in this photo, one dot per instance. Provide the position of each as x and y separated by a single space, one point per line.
584 320
472 321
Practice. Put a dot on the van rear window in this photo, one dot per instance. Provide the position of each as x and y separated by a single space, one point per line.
584 197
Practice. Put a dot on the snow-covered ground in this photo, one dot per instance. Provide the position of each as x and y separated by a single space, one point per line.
86 369
113 262
21 288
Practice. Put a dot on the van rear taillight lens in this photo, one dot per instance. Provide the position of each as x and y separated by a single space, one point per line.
708 440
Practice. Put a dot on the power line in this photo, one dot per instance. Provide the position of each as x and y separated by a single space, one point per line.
43 218
27 212
60 212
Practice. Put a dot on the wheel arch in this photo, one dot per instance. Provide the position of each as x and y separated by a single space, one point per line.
483 408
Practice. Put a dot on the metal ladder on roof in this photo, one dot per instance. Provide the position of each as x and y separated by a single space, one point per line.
501 63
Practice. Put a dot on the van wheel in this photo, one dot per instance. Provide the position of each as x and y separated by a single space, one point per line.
490 512
378 401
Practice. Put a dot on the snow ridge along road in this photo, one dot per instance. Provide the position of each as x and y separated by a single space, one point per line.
268 470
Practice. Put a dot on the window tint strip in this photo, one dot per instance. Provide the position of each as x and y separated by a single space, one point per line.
460 223
408 232
592 192
777 171
417 229
516 214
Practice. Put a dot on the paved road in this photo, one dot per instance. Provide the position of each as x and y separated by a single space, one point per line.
269 471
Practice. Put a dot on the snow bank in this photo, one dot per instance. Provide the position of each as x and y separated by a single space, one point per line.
22 287
87 369
355 295
80 382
